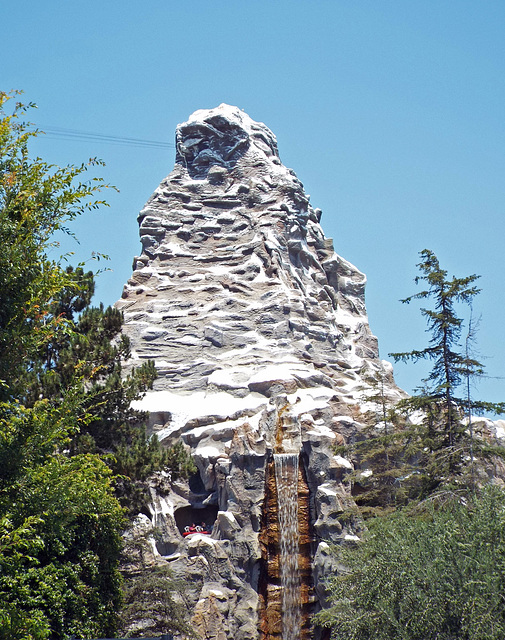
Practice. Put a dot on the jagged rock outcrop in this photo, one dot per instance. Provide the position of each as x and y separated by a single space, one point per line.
259 331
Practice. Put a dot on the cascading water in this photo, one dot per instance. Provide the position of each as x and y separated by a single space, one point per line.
286 477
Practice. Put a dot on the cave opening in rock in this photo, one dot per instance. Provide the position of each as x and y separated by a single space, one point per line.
202 517
196 484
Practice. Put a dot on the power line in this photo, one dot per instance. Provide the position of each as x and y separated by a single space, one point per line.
59 133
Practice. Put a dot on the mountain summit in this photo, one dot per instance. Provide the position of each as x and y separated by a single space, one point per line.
238 294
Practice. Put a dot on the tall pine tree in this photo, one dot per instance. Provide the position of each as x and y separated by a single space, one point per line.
443 439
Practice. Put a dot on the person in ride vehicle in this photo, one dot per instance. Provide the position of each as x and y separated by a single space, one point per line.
196 528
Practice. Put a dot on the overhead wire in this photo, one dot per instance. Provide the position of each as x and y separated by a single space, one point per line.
74 134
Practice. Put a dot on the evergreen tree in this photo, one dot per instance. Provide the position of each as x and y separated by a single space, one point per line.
449 365
155 603
381 453
424 443
442 437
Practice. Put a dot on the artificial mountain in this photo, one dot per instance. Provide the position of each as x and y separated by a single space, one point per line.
260 338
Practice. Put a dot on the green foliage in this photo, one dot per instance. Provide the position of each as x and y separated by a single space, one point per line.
62 528
443 439
155 602
36 200
181 465
143 457
424 443
19 625
433 575
65 418
135 462
384 476
449 365
383 453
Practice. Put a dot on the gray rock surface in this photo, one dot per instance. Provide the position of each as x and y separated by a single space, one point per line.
255 324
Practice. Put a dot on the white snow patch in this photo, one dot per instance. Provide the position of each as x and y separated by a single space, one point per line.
228 515
165 507
195 539
500 428
175 248
219 269
208 452
416 417
347 419
279 371
387 366
234 378
311 398
326 490
322 431
343 462
195 405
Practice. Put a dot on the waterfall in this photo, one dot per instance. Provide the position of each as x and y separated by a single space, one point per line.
286 477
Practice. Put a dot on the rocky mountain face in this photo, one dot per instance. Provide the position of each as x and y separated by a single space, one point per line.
260 337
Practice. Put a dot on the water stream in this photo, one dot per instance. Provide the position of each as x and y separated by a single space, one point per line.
286 477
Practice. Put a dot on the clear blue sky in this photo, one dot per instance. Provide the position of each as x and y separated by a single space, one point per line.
392 114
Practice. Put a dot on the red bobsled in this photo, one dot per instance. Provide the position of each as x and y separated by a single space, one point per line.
195 529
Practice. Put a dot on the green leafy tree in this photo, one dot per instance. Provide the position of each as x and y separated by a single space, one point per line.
434 575
60 521
18 548
66 427
36 201
66 575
